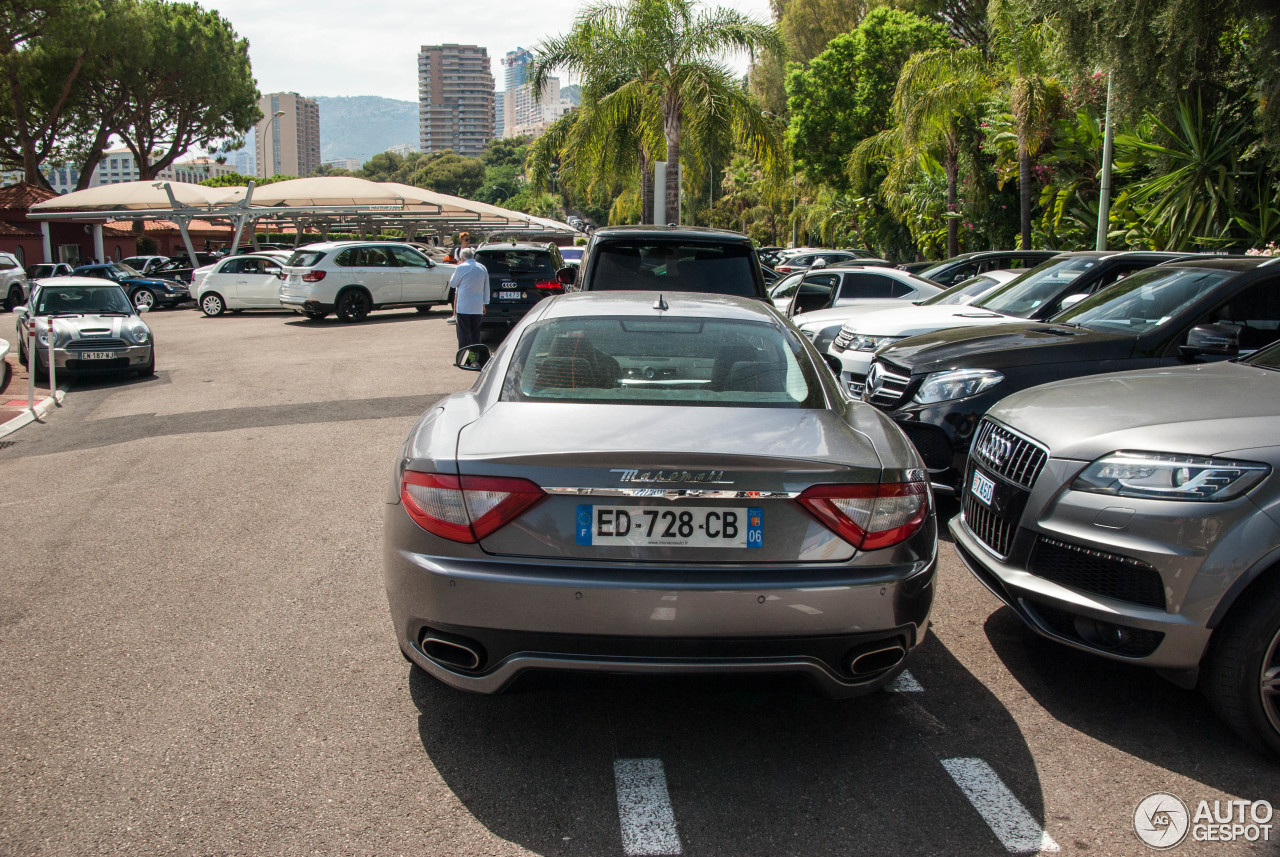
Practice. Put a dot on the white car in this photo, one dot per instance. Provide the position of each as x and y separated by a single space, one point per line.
352 278
855 344
280 256
240 283
13 282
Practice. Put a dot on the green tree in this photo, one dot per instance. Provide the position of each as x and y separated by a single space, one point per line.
448 172
239 180
184 81
806 27
670 52
45 46
846 93
1023 42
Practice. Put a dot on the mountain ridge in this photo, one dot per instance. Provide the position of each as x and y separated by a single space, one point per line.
361 126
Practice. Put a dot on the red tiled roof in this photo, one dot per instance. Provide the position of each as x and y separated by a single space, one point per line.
195 227
18 230
22 196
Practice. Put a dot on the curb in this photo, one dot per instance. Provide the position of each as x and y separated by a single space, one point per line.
30 415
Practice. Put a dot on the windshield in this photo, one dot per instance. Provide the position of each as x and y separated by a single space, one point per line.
82 299
1035 288
120 269
571 254
929 272
963 292
677 266
662 361
1144 300
137 263
512 263
1267 358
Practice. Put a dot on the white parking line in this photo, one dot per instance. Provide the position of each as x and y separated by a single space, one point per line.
1003 813
644 808
905 683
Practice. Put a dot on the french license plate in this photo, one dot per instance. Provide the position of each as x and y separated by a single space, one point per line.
510 296
673 526
96 355
982 487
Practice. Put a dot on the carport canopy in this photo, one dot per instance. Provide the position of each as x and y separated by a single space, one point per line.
322 203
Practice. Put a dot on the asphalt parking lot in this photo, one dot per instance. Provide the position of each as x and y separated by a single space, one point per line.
199 660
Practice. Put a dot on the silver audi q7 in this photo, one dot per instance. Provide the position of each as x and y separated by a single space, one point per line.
658 483
1137 516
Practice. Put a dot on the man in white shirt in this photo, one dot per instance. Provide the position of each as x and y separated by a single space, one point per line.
470 284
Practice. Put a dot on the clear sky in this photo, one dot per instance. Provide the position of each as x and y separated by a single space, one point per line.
327 47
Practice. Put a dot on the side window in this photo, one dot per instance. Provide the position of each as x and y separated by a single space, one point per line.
347 258
1116 274
814 293
866 286
232 267
408 258
251 266
6 262
1254 314
380 257
900 290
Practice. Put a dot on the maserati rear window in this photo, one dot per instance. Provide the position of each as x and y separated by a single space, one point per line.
662 361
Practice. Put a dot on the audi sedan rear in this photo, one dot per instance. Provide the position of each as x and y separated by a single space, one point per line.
651 483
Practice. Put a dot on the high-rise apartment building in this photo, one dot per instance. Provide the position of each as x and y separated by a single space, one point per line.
455 99
288 144
514 65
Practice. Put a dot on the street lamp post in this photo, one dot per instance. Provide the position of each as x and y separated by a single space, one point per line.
266 133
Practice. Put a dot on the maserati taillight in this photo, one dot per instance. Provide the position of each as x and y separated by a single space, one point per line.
870 517
466 508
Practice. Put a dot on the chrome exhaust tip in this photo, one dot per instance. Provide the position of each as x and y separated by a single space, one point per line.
450 653
877 660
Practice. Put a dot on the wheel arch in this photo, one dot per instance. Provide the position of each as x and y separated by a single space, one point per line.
1263 570
358 287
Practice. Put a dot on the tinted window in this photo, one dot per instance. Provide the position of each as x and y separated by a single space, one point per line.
1254 314
510 263
662 361
673 266
7 263
1145 300
1032 290
814 293
786 287
304 259
231 266
871 286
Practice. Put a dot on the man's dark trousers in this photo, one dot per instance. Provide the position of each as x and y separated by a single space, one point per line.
468 329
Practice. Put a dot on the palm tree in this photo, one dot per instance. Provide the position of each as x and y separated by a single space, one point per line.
639 59
935 89
1035 96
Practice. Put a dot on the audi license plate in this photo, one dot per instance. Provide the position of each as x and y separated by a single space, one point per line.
982 487
510 296
652 526
96 355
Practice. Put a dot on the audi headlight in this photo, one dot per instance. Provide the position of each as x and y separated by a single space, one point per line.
140 335
956 384
1167 476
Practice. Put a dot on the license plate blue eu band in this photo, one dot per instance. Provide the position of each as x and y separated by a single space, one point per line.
982 487
674 526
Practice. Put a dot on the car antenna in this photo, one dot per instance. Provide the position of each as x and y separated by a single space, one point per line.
660 304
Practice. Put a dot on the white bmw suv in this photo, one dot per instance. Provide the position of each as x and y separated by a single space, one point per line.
353 278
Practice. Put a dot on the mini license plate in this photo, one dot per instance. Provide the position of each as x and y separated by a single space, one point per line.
673 526
510 296
982 487
96 355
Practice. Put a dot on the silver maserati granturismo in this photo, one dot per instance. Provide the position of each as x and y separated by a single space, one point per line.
657 483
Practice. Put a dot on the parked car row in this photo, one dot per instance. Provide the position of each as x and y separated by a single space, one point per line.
1132 514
